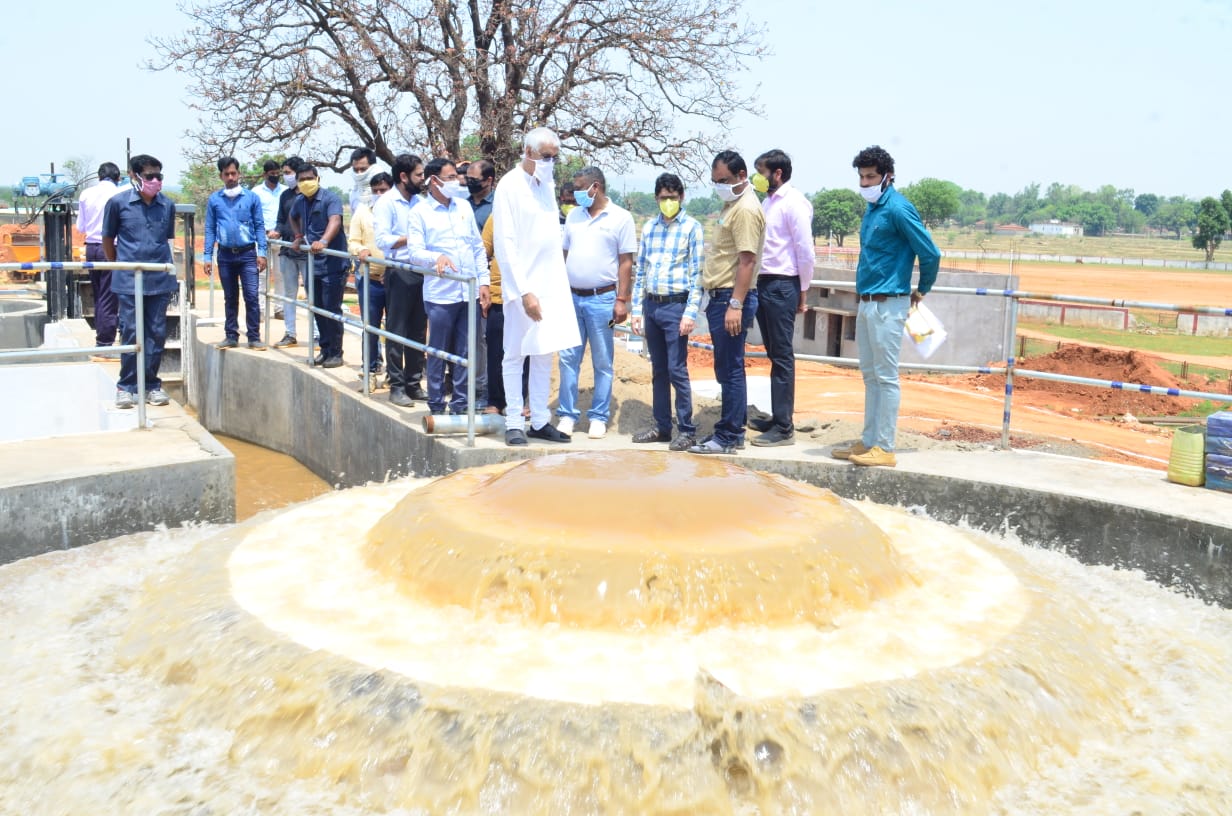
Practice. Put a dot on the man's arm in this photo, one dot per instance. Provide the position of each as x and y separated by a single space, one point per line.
624 286
693 266
801 223
211 229
111 227
109 248
916 234
258 223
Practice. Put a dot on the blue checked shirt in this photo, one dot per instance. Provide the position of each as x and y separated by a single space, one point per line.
669 261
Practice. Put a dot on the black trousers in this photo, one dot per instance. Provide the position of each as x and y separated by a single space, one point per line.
405 316
778 298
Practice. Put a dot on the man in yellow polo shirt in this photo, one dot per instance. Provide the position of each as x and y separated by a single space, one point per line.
730 279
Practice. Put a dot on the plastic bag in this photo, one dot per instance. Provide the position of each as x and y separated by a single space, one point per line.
924 330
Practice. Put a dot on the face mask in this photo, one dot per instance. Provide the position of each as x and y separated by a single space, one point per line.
760 183
583 197
567 208
544 169
873 194
361 178
367 199
309 187
474 186
452 189
727 192
289 179
232 192
149 187
670 207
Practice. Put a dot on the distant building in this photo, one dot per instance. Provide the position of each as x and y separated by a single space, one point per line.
1055 227
1009 229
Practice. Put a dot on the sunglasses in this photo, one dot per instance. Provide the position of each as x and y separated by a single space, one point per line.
152 176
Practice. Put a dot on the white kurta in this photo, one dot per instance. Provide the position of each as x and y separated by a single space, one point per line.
527 240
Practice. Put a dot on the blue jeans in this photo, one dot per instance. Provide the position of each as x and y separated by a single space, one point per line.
778 298
879 337
446 332
669 365
327 295
236 270
105 307
294 272
374 293
155 319
729 364
593 314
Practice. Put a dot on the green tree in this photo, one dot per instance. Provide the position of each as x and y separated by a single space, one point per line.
196 184
1147 204
1226 199
1173 216
1000 205
936 200
972 207
78 169
703 205
1212 224
640 203
1096 217
837 212
1024 205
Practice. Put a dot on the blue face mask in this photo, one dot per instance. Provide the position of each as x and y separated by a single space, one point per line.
583 197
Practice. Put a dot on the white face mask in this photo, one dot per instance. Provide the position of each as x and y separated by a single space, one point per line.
367 199
544 169
873 194
289 179
232 192
453 189
727 192
361 179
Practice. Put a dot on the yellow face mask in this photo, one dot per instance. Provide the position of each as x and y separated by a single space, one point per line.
309 187
670 207
760 183
567 208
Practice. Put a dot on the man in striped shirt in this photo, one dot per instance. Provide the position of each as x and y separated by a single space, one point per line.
667 292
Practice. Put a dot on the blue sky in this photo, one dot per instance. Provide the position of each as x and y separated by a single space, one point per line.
987 95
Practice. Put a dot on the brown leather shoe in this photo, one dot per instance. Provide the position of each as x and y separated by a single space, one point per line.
847 451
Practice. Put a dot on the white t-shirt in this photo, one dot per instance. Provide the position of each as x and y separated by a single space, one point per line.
596 244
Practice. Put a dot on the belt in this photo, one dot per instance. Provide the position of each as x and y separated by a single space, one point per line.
679 297
882 298
243 248
602 290
716 292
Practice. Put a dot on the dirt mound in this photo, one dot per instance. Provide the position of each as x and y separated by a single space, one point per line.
1130 367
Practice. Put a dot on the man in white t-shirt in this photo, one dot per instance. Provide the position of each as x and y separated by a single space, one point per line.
90 223
599 243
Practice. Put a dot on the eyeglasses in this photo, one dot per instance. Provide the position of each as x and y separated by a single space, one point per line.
152 176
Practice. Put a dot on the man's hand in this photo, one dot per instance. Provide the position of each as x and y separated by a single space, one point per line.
686 326
635 323
443 263
801 309
530 305
733 321
261 264
620 311
317 246
485 299
273 234
365 254
209 269
916 297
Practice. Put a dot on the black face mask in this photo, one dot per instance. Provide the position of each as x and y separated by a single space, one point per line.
273 178
474 186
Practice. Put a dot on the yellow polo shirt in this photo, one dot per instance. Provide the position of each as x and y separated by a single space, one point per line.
741 228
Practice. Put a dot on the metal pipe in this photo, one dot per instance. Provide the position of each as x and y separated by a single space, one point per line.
365 356
312 324
1011 333
139 299
21 355
470 422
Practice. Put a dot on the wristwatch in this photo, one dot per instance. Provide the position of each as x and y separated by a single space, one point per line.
733 303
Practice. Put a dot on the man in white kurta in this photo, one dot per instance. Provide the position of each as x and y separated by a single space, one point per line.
539 316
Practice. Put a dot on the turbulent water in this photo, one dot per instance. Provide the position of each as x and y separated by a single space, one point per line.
1022 682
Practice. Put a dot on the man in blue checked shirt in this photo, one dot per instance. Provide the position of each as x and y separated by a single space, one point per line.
667 292
235 221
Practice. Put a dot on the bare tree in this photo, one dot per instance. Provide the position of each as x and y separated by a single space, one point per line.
79 169
633 80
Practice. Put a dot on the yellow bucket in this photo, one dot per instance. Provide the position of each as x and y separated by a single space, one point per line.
1185 464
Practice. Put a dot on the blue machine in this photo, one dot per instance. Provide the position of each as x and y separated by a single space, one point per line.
46 184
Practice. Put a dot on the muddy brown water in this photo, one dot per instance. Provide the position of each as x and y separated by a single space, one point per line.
267 480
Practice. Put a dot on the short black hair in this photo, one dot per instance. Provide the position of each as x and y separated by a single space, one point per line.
566 191
269 165
592 172
381 178
670 182
438 164
874 156
363 153
228 161
108 170
405 163
141 161
732 160
306 167
775 160
293 162
487 170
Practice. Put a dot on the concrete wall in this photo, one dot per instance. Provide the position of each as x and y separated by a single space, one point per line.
21 323
1068 314
1205 325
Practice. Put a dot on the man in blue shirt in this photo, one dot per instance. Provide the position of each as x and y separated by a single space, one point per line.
137 224
892 236
235 221
316 218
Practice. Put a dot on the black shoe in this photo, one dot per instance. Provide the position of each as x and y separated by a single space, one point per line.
398 397
320 358
257 345
417 391
761 425
229 343
549 433
332 362
682 442
516 436
652 435
286 341
774 438
379 368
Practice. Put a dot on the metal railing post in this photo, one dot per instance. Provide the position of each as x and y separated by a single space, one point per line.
365 356
270 271
472 323
312 317
139 308
186 356
1011 332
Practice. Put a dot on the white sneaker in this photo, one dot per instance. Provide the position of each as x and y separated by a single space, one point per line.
597 429
565 425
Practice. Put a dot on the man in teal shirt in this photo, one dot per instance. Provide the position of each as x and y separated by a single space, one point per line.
892 236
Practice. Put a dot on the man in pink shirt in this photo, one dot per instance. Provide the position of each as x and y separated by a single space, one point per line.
786 272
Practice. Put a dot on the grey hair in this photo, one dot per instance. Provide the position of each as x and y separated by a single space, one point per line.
539 138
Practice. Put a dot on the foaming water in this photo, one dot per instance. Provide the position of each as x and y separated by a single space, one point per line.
174 673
